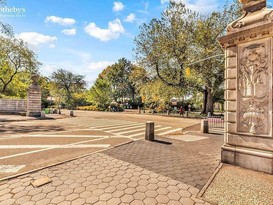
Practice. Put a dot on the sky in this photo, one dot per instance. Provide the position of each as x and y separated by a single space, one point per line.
85 36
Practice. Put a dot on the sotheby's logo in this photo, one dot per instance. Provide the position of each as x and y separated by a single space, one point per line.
12 12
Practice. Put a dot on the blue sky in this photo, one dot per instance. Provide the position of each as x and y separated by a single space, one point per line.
85 36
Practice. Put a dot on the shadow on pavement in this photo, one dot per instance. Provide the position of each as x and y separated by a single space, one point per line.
162 142
28 129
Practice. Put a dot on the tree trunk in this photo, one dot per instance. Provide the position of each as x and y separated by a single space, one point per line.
4 88
205 97
209 104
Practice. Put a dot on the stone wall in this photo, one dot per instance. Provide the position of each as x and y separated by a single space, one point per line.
12 106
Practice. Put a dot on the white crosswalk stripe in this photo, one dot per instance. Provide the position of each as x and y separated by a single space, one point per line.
54 146
121 128
142 129
168 132
111 125
128 129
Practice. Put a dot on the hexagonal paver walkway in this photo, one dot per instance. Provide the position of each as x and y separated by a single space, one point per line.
98 179
190 162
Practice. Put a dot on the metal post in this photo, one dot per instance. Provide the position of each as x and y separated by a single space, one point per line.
204 126
71 114
150 131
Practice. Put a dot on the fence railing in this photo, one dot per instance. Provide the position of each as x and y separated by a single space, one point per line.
216 124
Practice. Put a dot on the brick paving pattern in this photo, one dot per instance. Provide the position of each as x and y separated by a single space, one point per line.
190 162
98 179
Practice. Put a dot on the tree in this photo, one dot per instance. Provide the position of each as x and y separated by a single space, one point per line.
101 93
117 82
5 29
168 46
67 84
156 95
15 58
165 44
118 75
211 70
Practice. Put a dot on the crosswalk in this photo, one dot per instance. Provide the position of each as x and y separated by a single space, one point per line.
133 130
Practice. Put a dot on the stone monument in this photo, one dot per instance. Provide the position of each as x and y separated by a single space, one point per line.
248 80
34 98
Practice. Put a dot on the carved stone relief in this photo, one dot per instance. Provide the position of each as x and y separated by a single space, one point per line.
254 96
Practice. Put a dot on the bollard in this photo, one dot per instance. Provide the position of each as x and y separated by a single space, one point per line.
204 126
42 114
139 111
150 131
168 112
71 114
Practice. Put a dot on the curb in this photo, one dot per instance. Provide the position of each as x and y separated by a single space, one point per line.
62 162
203 190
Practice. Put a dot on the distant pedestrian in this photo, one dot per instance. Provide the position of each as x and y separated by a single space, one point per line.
181 111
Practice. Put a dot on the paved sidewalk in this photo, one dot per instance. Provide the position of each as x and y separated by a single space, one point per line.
141 172
191 162
98 179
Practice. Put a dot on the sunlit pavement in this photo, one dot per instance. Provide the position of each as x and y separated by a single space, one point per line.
167 171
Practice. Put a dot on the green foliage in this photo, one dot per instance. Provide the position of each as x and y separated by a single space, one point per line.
68 85
16 60
167 47
118 75
101 93
116 83
155 94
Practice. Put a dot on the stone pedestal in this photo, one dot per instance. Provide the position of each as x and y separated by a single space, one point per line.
248 81
34 99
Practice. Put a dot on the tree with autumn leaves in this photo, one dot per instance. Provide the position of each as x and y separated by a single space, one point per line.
183 40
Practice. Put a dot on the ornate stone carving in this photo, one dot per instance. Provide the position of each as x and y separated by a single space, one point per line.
254 89
254 12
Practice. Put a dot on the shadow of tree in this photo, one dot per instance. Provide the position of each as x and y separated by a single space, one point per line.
28 129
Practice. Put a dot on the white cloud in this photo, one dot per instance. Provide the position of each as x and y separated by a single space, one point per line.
118 6
113 31
60 21
197 5
130 18
100 65
36 39
69 32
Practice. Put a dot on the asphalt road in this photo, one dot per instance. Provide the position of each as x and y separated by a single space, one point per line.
27 144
